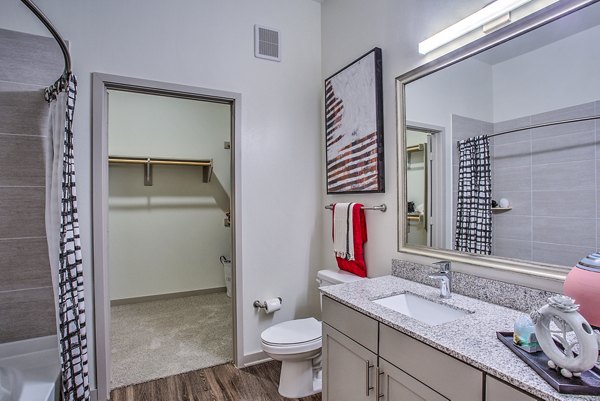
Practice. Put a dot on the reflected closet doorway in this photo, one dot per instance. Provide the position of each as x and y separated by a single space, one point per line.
168 168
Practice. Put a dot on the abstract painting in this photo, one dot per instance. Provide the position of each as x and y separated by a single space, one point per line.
354 127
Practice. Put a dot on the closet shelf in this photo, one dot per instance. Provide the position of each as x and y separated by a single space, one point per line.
415 217
148 162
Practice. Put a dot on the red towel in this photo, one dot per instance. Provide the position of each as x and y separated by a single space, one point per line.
359 225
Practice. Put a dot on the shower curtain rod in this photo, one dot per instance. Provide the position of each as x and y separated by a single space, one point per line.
572 120
61 42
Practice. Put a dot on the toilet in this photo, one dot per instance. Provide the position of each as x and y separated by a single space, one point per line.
297 344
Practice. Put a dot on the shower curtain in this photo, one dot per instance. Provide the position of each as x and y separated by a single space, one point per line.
474 206
64 247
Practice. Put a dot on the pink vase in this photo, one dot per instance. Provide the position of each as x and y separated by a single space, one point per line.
583 285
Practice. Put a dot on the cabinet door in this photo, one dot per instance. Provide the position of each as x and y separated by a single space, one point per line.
348 368
448 376
495 390
395 385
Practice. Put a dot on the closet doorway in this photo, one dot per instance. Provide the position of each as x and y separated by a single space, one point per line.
167 166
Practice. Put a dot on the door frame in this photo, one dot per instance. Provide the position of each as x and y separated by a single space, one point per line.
440 179
101 83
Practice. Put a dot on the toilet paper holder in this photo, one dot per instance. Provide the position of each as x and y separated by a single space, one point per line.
262 305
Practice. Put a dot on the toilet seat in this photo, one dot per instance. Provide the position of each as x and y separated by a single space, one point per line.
292 337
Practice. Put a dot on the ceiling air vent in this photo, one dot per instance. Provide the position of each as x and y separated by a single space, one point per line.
266 43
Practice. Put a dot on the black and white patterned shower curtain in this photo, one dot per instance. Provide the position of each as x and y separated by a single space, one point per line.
474 206
64 246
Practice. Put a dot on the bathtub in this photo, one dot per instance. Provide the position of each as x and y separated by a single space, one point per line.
29 370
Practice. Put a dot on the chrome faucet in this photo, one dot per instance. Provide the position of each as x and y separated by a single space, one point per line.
444 276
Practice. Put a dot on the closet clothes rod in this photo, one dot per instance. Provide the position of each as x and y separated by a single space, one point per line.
571 120
148 162
151 160
61 42
381 208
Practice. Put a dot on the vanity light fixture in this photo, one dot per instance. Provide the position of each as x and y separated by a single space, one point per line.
487 14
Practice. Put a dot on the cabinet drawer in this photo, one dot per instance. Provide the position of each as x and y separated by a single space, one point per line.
398 386
355 325
496 390
446 375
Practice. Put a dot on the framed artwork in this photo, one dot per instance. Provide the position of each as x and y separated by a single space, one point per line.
354 127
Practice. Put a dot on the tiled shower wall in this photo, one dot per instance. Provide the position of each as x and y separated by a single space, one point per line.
551 178
549 175
28 64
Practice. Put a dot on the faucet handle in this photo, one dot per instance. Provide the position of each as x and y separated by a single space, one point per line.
444 265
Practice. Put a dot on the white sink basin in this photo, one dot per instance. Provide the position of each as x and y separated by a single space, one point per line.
422 309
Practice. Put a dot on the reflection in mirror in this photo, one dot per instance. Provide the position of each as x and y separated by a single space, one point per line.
524 183
418 179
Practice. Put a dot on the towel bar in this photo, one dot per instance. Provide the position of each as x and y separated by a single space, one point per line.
381 208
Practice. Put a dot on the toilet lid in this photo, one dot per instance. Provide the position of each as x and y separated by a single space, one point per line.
293 332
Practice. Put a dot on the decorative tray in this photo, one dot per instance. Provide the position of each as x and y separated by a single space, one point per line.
587 384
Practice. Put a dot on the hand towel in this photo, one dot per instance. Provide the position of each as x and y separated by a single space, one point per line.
343 234
359 231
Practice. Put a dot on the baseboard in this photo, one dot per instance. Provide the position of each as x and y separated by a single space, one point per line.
255 358
162 297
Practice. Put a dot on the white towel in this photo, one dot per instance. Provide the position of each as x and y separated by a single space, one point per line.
343 232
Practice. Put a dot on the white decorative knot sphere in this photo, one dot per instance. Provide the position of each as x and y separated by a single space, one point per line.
554 323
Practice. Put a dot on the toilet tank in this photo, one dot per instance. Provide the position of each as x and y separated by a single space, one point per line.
332 277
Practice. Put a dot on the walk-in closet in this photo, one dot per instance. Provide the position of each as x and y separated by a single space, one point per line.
169 232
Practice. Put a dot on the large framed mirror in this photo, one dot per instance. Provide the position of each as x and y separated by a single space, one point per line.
499 146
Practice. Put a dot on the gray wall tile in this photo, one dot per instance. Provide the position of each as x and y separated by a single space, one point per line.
29 58
24 264
514 249
28 64
562 129
564 255
580 110
26 314
22 212
512 179
565 204
519 136
21 160
512 155
506 226
564 148
23 109
566 176
565 230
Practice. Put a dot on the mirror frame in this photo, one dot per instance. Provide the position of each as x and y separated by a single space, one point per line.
520 27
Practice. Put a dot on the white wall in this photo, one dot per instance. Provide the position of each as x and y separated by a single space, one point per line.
168 237
349 29
210 44
529 84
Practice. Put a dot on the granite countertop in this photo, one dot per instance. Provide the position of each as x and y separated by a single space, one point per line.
471 339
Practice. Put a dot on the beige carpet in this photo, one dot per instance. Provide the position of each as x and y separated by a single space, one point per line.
156 339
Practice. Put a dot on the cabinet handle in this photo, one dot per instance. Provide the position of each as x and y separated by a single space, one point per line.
377 378
368 367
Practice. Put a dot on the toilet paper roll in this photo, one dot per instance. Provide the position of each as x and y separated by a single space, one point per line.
272 305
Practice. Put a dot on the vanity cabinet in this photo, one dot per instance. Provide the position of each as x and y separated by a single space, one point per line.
349 353
349 368
367 360
496 390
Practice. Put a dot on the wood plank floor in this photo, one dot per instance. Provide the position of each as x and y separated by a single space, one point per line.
218 383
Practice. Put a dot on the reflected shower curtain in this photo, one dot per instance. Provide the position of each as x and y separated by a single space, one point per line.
474 206
64 247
